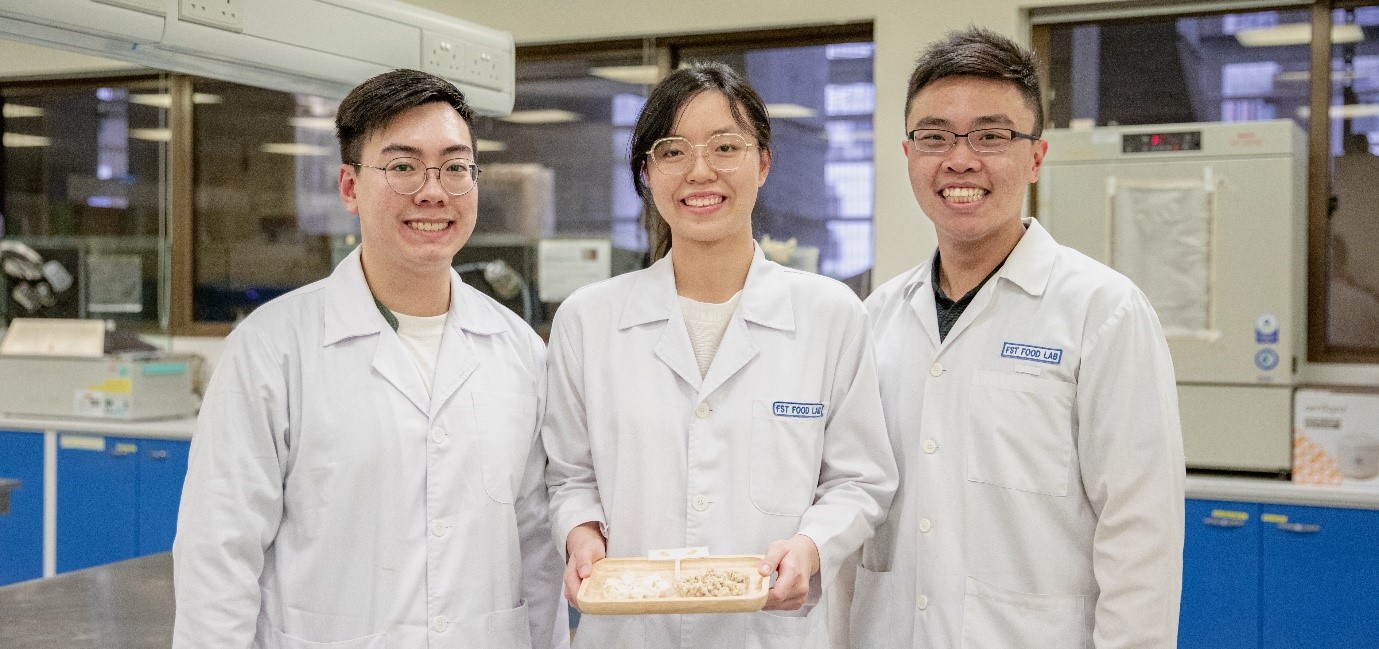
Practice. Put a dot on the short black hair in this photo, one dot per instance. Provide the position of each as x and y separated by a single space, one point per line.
372 105
658 117
980 52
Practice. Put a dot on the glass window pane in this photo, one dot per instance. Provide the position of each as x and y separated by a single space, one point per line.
820 191
83 187
268 216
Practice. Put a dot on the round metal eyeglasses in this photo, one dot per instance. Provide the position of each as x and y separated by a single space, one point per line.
457 176
982 140
674 156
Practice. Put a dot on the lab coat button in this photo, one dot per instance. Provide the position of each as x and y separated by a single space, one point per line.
922 603
438 527
700 503
438 435
440 624
930 446
936 369
702 411
925 525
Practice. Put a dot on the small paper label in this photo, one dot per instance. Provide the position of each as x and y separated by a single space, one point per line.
82 443
679 553
1230 514
1273 518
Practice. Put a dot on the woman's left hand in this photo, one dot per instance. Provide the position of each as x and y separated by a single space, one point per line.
796 559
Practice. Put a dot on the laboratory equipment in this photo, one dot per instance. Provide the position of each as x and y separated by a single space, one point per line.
1209 220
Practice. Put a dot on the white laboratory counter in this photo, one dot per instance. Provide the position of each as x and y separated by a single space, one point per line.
180 428
1280 492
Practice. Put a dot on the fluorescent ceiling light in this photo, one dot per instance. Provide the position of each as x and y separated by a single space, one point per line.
151 134
162 100
296 149
313 123
15 140
543 116
490 145
13 111
1348 111
1296 34
789 111
1304 75
645 75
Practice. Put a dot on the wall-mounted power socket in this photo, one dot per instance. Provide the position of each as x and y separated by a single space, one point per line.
442 56
222 14
484 64
155 7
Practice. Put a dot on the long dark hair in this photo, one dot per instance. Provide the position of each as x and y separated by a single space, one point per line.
658 117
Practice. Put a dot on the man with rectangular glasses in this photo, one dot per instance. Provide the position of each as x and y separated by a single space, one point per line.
365 471
1029 396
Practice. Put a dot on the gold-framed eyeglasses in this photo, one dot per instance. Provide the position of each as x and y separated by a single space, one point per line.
674 156
406 175
929 141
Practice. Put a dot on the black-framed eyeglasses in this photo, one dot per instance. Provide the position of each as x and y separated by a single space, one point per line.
407 175
675 155
983 140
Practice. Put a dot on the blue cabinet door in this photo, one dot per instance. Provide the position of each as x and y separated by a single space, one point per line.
162 467
1220 606
97 503
21 529
1320 576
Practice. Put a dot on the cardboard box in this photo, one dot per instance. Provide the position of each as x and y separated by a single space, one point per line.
1336 437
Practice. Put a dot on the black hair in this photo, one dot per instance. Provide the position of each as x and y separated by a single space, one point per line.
980 52
372 105
658 118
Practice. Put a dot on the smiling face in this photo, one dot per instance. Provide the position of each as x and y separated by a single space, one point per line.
973 198
416 235
704 206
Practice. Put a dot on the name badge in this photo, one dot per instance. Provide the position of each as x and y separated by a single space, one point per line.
1032 353
792 409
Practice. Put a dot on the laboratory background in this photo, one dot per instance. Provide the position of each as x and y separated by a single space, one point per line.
170 165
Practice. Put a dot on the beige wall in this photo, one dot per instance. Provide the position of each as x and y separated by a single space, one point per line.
903 235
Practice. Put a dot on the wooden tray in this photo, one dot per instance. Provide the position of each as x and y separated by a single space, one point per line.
593 602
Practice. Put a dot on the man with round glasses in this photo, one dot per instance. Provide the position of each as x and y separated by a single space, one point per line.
365 470
1029 397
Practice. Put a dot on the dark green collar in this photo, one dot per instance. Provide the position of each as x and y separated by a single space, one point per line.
387 315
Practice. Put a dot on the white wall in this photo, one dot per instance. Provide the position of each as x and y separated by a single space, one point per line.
901 29
23 60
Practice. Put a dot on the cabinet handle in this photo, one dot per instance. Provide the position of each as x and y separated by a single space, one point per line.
121 452
1216 521
158 455
1300 528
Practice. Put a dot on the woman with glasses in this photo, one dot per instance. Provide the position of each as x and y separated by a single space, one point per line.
715 399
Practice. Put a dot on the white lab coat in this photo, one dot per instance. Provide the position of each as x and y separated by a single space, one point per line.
329 499
663 458
1041 463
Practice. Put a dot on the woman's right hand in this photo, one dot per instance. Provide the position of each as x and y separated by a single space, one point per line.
583 547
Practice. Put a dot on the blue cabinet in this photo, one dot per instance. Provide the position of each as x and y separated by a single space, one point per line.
1221 561
21 530
1320 577
117 498
1279 576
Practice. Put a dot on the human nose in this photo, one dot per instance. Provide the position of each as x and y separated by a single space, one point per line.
962 157
431 191
699 164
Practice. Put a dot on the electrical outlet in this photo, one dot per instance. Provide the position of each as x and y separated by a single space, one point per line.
484 64
442 56
223 14
155 7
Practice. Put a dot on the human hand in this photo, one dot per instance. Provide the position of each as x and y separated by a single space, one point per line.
583 547
796 559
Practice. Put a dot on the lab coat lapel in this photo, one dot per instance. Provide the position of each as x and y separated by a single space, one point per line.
922 302
391 360
469 314
765 301
654 299
1028 266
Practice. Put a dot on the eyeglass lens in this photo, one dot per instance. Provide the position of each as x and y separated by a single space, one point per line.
723 152
408 175
986 140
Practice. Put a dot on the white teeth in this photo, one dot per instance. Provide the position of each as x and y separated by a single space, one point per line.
428 226
963 194
703 201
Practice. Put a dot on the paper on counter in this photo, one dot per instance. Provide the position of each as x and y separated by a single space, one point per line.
565 265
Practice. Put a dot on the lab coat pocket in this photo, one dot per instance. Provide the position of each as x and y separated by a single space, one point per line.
785 456
1022 435
875 622
1000 618
508 629
506 427
280 640
768 629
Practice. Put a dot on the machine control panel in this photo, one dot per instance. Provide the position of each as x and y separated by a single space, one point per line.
1156 142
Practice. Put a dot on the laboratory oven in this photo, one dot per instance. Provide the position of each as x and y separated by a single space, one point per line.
1210 221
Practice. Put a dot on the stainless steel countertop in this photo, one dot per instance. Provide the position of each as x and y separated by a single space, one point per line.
125 605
